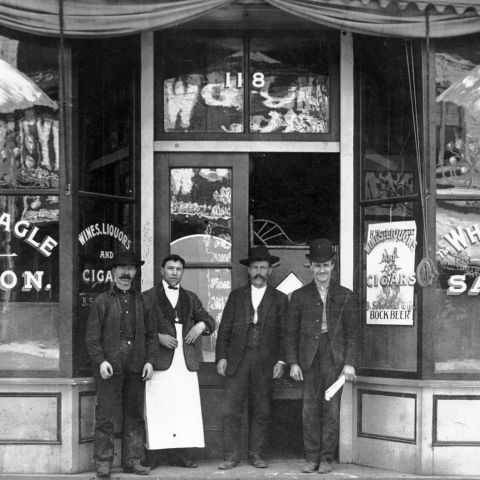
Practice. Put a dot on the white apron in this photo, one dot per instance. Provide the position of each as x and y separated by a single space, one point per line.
173 414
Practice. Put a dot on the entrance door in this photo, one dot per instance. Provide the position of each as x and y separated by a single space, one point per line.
201 214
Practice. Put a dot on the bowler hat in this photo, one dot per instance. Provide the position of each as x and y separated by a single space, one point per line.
126 258
321 250
259 254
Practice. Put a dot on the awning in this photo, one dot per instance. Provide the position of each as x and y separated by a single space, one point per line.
107 18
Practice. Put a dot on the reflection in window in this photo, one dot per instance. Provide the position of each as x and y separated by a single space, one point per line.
212 285
457 118
105 115
289 85
200 213
203 85
29 129
105 228
29 282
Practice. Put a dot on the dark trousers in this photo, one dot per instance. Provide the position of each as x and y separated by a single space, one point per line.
126 389
321 419
251 381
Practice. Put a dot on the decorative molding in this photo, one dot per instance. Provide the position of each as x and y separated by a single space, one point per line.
57 440
81 414
451 443
361 433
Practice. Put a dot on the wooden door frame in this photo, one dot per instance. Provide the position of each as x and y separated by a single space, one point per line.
238 162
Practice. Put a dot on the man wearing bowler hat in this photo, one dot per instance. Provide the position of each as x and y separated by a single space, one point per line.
249 355
121 339
321 343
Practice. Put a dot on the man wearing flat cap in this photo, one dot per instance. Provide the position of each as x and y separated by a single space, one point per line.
249 355
121 340
321 344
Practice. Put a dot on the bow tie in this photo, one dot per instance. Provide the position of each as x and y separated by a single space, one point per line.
172 288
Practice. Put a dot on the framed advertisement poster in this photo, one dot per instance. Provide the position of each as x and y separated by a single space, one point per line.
390 278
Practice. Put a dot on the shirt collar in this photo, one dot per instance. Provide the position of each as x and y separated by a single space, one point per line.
165 286
119 290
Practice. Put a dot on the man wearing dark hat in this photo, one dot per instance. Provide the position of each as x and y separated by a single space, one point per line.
321 343
249 355
122 342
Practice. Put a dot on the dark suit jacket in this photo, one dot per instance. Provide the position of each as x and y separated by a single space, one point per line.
232 333
304 324
192 313
102 335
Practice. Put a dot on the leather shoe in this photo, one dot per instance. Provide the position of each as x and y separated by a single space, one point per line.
187 463
228 464
325 467
137 468
257 461
103 472
310 467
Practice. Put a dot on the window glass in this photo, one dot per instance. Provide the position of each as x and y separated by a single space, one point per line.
289 85
29 282
29 129
200 213
203 84
457 117
105 228
456 326
106 87
389 171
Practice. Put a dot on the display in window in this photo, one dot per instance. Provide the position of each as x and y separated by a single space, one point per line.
458 125
204 85
29 131
289 86
200 210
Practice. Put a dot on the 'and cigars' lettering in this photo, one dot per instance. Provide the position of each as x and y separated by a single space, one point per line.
23 229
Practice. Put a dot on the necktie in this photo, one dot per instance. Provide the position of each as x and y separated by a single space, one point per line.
172 288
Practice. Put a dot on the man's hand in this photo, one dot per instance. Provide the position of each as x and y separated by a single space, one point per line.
106 370
222 366
147 371
296 372
278 370
167 341
349 373
195 332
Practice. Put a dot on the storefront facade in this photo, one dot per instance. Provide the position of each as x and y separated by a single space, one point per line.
223 132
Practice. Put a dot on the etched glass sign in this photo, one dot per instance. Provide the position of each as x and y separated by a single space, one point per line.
203 86
201 213
289 86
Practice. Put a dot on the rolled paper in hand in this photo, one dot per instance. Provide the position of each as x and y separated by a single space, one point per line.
334 387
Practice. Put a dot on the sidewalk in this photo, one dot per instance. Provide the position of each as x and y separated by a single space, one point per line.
278 470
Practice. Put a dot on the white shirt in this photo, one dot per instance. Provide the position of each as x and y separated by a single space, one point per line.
257 295
171 293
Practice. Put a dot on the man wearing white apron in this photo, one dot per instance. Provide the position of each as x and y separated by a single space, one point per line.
172 398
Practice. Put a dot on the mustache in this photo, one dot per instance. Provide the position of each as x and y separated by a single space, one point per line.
125 276
260 276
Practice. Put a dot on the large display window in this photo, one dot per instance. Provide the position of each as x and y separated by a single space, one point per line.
389 202
457 178
247 85
106 169
30 163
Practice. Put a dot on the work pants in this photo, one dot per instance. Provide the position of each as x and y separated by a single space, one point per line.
251 381
126 388
321 419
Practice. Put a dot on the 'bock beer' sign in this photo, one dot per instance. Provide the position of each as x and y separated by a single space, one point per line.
390 251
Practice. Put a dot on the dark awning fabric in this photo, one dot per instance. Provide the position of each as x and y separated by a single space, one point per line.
107 18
